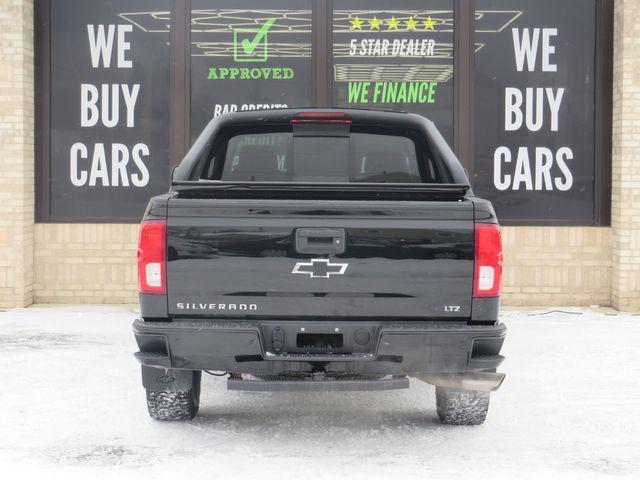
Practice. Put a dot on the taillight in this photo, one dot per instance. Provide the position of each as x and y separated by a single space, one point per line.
487 274
152 259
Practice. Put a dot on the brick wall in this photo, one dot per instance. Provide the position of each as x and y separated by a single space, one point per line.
85 263
557 266
16 152
625 292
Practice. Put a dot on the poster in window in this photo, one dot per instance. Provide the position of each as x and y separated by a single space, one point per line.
109 94
535 108
248 55
395 56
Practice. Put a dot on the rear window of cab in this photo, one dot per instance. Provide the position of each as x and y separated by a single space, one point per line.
369 155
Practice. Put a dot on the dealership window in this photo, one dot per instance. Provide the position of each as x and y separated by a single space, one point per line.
521 90
247 56
108 109
535 108
397 57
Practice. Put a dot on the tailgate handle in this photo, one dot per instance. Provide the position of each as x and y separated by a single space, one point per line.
320 241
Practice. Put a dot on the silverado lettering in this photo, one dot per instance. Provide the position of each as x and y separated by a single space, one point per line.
216 306
359 237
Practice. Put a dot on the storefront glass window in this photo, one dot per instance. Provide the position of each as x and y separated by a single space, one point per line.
104 95
535 108
247 56
109 107
396 56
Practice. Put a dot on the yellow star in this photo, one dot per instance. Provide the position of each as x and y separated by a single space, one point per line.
375 23
392 24
429 24
356 23
411 24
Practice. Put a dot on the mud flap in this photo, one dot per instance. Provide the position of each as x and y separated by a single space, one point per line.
168 380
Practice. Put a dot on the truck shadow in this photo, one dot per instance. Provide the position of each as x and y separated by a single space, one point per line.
316 412
358 420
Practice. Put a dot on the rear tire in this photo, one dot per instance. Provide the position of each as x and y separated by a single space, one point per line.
461 407
174 406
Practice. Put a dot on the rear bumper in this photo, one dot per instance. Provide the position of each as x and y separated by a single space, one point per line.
269 347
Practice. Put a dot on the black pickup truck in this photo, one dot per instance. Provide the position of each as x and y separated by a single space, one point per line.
316 250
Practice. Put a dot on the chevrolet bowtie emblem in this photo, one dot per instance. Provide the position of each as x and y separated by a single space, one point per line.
320 268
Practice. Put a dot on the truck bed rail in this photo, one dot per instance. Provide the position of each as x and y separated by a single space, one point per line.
392 191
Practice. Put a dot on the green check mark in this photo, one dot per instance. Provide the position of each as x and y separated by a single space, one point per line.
249 46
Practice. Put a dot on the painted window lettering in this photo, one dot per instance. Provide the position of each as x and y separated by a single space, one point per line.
392 92
108 106
529 109
222 108
371 47
108 166
399 58
532 171
262 73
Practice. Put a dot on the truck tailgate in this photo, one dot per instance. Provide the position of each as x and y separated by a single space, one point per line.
283 258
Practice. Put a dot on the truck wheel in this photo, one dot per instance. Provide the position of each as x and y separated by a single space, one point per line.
461 407
171 406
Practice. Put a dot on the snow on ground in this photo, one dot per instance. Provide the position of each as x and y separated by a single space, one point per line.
72 406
